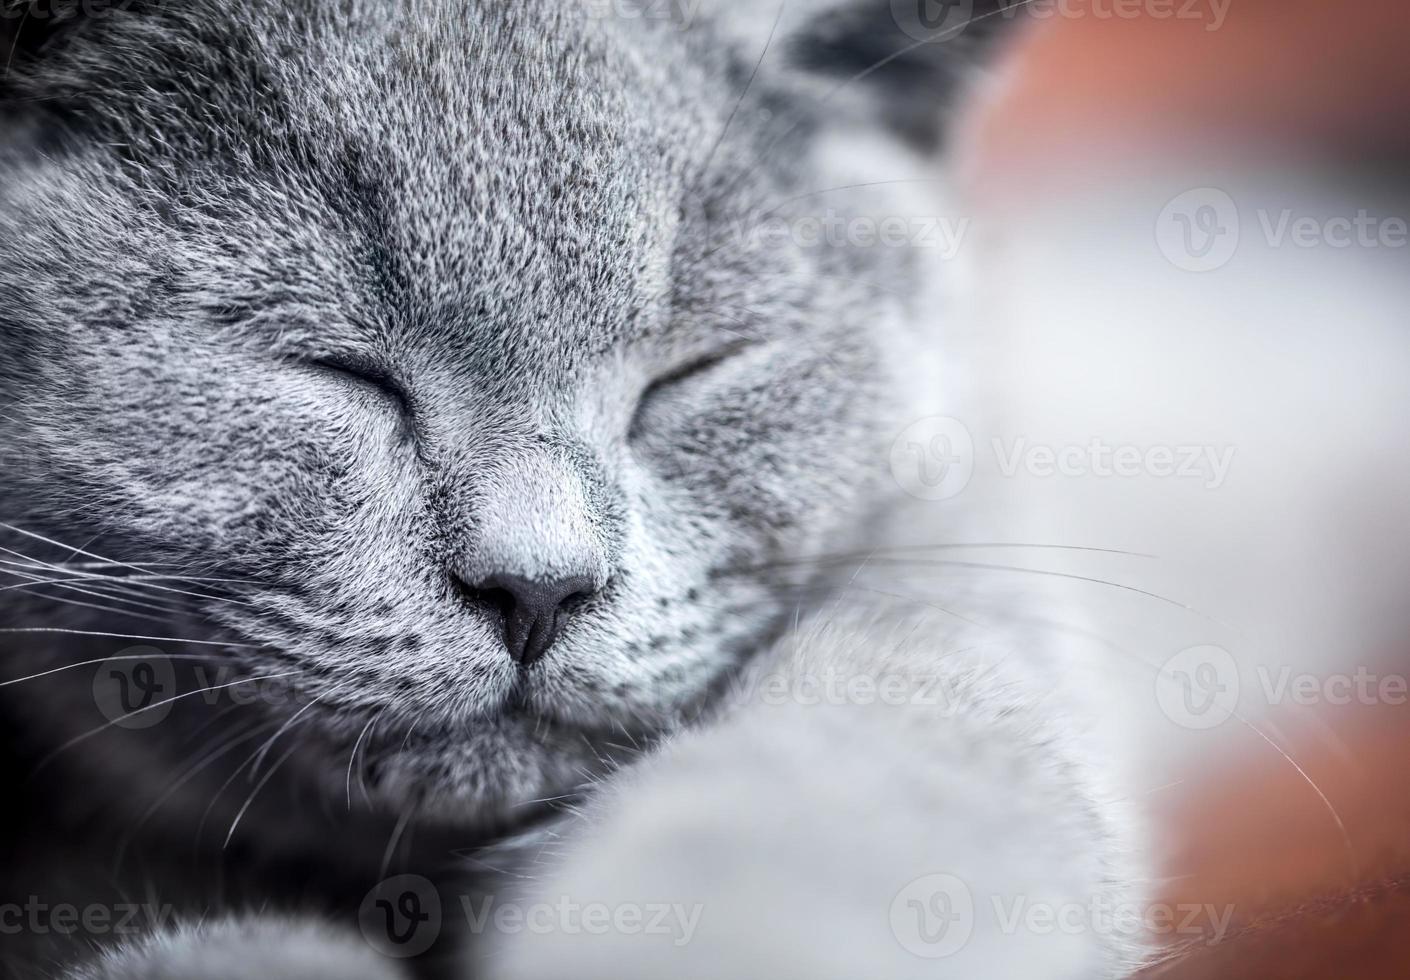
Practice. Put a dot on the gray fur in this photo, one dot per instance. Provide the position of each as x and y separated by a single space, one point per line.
420 193
520 224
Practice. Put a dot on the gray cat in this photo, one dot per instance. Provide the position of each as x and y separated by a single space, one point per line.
432 425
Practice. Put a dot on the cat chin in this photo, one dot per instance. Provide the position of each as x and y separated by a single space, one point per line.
495 774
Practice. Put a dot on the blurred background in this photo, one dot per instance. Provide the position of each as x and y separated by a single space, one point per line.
1189 268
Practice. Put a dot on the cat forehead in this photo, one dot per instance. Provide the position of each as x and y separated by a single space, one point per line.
482 175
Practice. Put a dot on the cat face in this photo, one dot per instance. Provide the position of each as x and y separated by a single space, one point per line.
447 338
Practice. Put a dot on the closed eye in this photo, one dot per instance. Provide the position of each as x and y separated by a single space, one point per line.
685 373
367 375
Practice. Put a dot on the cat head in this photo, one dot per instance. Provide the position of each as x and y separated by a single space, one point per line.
496 357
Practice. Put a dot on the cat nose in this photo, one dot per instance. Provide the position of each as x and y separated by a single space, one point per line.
533 611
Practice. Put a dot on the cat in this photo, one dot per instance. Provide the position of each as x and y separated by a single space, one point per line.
448 421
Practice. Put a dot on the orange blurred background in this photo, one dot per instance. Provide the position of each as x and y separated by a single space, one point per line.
1314 856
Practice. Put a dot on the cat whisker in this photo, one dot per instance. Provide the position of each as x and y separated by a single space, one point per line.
255 792
986 566
116 585
739 103
129 636
128 565
352 758
86 565
264 749
98 607
94 732
229 779
403 819
66 584
847 557
133 597
204 762
101 660
82 572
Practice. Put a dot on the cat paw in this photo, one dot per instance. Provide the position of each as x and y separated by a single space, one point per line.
243 949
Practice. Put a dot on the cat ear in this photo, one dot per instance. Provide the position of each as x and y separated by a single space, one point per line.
907 61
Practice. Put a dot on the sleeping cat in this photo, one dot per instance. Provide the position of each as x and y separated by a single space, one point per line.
435 429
